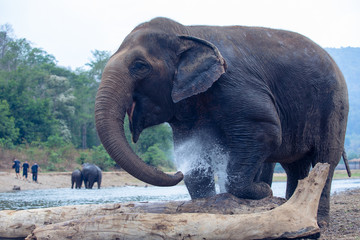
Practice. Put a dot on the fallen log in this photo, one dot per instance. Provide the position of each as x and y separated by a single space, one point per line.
220 217
19 224
296 218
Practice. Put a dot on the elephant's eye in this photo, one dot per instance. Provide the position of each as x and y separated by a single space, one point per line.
140 69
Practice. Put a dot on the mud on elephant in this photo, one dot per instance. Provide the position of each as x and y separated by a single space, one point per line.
262 95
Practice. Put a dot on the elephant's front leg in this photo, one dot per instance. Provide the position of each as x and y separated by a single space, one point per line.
200 182
266 173
248 156
241 182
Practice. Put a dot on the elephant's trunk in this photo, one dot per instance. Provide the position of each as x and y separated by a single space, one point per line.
113 99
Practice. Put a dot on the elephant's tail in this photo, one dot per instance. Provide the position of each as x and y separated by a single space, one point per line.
346 163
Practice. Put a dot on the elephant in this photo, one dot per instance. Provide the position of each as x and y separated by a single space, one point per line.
261 95
77 178
91 174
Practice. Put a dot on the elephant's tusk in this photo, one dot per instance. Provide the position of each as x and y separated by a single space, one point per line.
130 112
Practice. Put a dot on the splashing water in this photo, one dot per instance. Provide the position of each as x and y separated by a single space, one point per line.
192 155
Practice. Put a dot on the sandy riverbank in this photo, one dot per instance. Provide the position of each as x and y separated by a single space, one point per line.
63 180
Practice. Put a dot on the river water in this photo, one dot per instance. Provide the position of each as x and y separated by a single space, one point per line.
18 200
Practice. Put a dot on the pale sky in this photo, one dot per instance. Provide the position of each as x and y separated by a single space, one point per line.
70 29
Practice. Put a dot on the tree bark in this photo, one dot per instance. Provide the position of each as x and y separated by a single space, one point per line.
220 217
83 136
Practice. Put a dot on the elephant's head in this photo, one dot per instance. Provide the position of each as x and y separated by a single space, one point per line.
153 69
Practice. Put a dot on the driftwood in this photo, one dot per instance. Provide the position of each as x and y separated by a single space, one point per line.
17 224
220 217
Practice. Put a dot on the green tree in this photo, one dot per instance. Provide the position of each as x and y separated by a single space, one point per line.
155 145
55 141
24 83
101 158
5 37
49 106
155 157
160 135
84 127
8 132
85 88
97 63
59 91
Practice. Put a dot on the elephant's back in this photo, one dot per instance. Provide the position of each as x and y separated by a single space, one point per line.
304 82
300 76
273 55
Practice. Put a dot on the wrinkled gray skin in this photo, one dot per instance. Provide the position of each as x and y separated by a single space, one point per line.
76 177
262 95
91 174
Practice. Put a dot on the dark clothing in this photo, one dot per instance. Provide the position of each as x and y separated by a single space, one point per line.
25 169
16 165
34 168
34 177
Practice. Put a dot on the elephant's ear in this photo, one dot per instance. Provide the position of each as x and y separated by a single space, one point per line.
200 65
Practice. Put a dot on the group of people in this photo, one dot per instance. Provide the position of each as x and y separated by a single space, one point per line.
25 167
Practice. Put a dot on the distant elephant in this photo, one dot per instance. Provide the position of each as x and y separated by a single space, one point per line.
91 174
77 178
261 95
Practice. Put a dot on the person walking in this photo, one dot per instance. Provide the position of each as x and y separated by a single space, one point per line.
34 171
25 168
16 166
